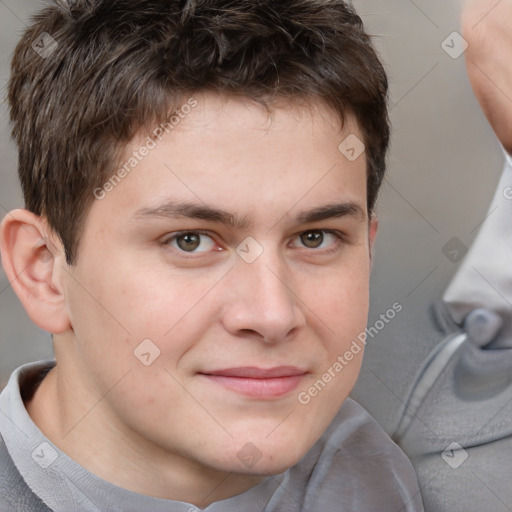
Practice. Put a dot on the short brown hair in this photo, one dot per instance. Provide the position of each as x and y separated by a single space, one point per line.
113 67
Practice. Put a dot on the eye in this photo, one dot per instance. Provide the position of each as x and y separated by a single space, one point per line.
191 241
318 239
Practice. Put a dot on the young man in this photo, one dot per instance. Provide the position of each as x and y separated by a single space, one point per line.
199 179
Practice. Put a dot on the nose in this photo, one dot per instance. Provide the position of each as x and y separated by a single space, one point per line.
262 301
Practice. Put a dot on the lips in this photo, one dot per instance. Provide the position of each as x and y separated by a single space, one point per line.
263 383
252 372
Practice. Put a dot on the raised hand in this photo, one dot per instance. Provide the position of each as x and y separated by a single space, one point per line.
487 27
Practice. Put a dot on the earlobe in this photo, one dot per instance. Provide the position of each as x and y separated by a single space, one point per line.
30 260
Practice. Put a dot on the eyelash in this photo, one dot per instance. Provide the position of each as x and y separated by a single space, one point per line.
340 239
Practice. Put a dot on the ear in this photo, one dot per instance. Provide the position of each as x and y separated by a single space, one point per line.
30 257
372 233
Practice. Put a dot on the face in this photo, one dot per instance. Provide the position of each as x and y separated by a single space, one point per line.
217 282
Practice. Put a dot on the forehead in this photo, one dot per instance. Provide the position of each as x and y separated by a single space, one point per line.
208 117
220 150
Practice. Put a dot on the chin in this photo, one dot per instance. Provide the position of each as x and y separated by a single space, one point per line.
276 466
268 458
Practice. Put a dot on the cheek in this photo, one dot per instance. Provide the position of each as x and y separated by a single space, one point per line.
342 303
142 298
169 307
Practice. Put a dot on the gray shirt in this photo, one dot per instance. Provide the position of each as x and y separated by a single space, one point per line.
353 467
484 279
450 405
456 424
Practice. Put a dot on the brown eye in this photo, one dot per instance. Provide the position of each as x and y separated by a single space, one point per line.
188 241
319 240
312 239
191 242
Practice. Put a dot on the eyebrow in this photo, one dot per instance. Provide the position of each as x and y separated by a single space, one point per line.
333 211
190 210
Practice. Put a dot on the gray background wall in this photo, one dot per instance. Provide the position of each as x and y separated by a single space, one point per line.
443 168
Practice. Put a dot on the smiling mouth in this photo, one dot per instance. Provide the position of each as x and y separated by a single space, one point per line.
258 382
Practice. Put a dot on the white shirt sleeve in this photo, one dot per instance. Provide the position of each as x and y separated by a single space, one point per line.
484 278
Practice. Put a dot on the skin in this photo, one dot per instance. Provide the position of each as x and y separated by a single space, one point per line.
174 433
487 27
